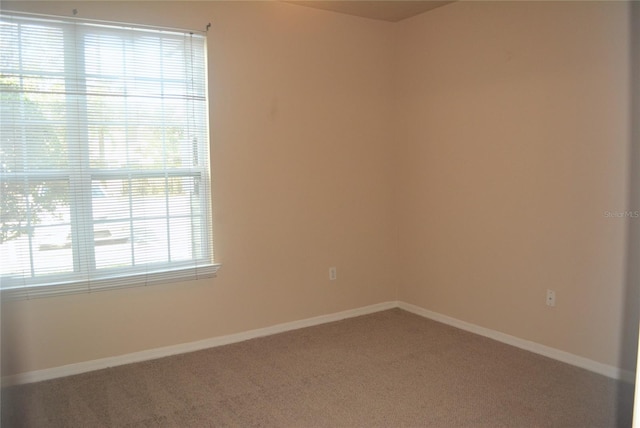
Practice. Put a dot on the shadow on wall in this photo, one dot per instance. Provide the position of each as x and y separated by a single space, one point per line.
631 306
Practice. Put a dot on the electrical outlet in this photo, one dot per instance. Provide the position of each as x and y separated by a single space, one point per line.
333 274
551 298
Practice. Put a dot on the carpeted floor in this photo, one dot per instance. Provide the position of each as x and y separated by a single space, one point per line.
388 369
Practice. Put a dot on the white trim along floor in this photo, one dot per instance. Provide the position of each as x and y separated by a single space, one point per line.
86 366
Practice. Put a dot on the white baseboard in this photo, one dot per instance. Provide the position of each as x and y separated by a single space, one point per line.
103 363
556 354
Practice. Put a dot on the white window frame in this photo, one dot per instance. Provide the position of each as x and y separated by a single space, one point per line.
81 176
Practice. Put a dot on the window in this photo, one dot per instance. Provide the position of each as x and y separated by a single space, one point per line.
104 162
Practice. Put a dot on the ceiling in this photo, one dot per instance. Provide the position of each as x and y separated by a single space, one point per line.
385 10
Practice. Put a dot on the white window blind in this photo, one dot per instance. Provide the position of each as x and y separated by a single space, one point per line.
104 161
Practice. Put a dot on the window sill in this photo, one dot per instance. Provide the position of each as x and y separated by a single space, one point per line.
111 282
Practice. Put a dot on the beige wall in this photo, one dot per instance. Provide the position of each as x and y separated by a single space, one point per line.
516 123
302 182
461 161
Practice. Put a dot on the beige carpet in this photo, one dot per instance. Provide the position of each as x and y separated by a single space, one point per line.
389 369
